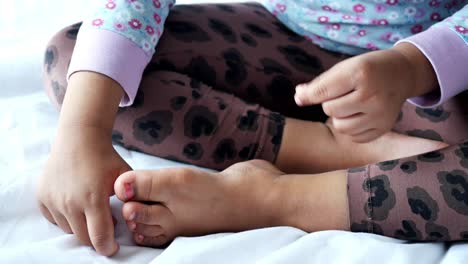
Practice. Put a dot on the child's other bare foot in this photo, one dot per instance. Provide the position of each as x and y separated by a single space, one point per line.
162 204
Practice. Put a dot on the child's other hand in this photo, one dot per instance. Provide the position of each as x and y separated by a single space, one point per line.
363 95
74 189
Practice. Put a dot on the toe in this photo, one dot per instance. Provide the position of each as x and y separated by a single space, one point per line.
154 214
156 241
147 230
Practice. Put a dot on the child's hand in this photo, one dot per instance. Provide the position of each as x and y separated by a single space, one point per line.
363 95
74 189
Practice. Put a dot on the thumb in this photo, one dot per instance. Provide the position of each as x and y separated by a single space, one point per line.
327 86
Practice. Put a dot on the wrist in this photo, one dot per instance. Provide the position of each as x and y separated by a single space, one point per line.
421 70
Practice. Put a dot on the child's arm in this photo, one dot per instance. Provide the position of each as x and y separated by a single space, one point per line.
113 48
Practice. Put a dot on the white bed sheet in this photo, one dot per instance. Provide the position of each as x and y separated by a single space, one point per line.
27 125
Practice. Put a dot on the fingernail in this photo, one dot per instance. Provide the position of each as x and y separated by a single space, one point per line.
132 226
128 191
132 216
297 99
140 237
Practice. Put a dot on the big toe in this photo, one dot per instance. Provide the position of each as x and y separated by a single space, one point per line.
142 185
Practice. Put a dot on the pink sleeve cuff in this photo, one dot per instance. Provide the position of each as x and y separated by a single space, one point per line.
113 55
448 54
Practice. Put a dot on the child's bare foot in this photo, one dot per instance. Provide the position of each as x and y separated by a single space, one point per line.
162 204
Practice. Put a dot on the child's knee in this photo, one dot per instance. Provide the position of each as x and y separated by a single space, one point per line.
56 61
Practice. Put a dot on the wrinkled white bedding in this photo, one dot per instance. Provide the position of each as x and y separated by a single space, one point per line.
27 125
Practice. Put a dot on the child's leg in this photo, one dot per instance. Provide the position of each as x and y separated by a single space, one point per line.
195 100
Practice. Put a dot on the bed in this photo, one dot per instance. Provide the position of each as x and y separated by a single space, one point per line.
27 127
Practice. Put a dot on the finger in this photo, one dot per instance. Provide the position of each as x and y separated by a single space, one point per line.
158 241
353 125
367 136
61 221
79 228
327 86
344 106
144 185
101 229
45 212
156 214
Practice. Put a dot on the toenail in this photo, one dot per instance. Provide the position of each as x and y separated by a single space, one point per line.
140 237
132 226
132 216
128 191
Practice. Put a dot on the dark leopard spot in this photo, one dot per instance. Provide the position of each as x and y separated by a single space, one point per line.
221 103
301 60
382 197
153 128
464 235
434 114
454 187
191 8
462 152
236 72
409 167
199 69
59 91
139 99
434 156
50 58
422 204
427 134
73 31
225 150
357 169
199 121
437 232
247 39
249 121
248 152
271 66
292 36
195 84
226 8
223 29
387 165
409 231
196 94
275 129
160 65
186 31
193 151
178 102
253 92
280 88
117 137
258 31
367 227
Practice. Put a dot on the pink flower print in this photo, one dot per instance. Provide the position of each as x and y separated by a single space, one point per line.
120 26
335 26
157 18
359 8
352 39
154 39
323 19
137 6
156 3
146 45
110 5
346 17
149 30
380 8
362 32
461 29
381 22
327 8
434 3
392 2
416 29
386 36
371 46
135 23
281 7
98 22
436 16
410 11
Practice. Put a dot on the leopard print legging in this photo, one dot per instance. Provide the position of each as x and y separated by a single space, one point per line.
217 92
